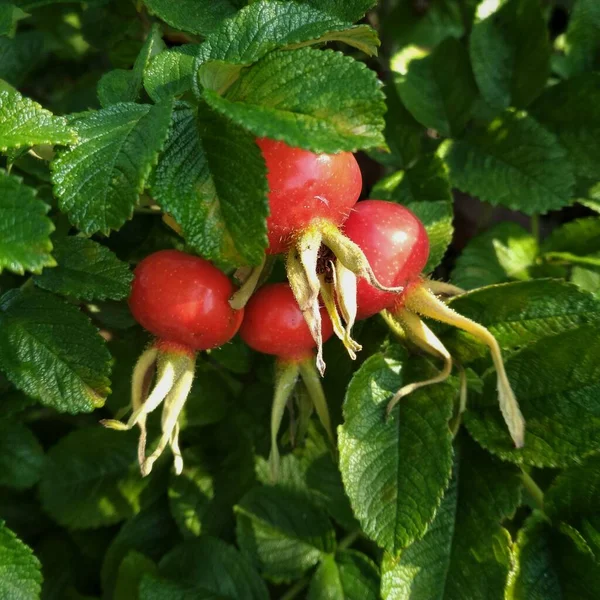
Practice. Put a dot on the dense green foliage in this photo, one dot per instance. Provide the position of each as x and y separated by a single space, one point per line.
482 116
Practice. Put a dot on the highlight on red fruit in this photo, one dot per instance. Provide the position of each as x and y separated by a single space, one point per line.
184 301
310 197
274 324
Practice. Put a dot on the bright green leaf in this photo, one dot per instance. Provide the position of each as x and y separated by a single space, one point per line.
466 553
580 237
513 161
24 122
195 16
86 270
51 351
24 228
92 479
21 456
325 101
99 180
557 383
395 470
503 252
349 575
583 37
211 179
550 565
209 568
510 52
20 570
439 90
282 532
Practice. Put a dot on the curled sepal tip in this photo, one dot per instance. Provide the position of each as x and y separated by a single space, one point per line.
174 373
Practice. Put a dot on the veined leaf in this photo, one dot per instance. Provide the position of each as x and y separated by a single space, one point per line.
24 228
52 352
581 237
466 553
325 101
395 470
86 270
212 179
513 161
170 73
24 122
352 10
99 180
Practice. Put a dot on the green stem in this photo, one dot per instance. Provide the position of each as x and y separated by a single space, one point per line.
296 589
567 257
535 227
533 489
346 542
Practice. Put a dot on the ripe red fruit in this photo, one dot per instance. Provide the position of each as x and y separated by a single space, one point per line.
274 324
184 299
304 186
396 246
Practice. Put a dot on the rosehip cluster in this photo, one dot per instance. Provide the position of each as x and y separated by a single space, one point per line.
345 261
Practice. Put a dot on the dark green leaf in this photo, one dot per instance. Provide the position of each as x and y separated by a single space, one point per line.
24 228
348 575
503 252
395 470
99 180
325 101
514 162
212 179
24 122
86 270
132 570
9 16
20 55
20 576
439 90
113 87
352 10
551 565
557 383
92 479
580 237
170 73
21 456
510 52
583 37
466 553
51 351
282 532
212 569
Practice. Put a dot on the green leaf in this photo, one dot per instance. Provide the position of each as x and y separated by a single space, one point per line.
24 228
20 55
520 313
211 568
151 532
86 270
580 237
439 90
573 499
211 179
466 553
20 570
503 252
571 110
582 45
9 16
351 10
132 570
513 161
51 351
195 16
125 86
325 101
99 180
92 479
395 470
510 52
425 189
170 73
551 565
349 575
24 122
21 456
282 532
557 383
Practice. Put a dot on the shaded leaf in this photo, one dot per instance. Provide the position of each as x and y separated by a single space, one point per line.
21 456
583 37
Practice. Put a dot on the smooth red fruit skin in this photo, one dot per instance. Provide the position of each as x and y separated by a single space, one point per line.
183 299
273 324
304 186
396 246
